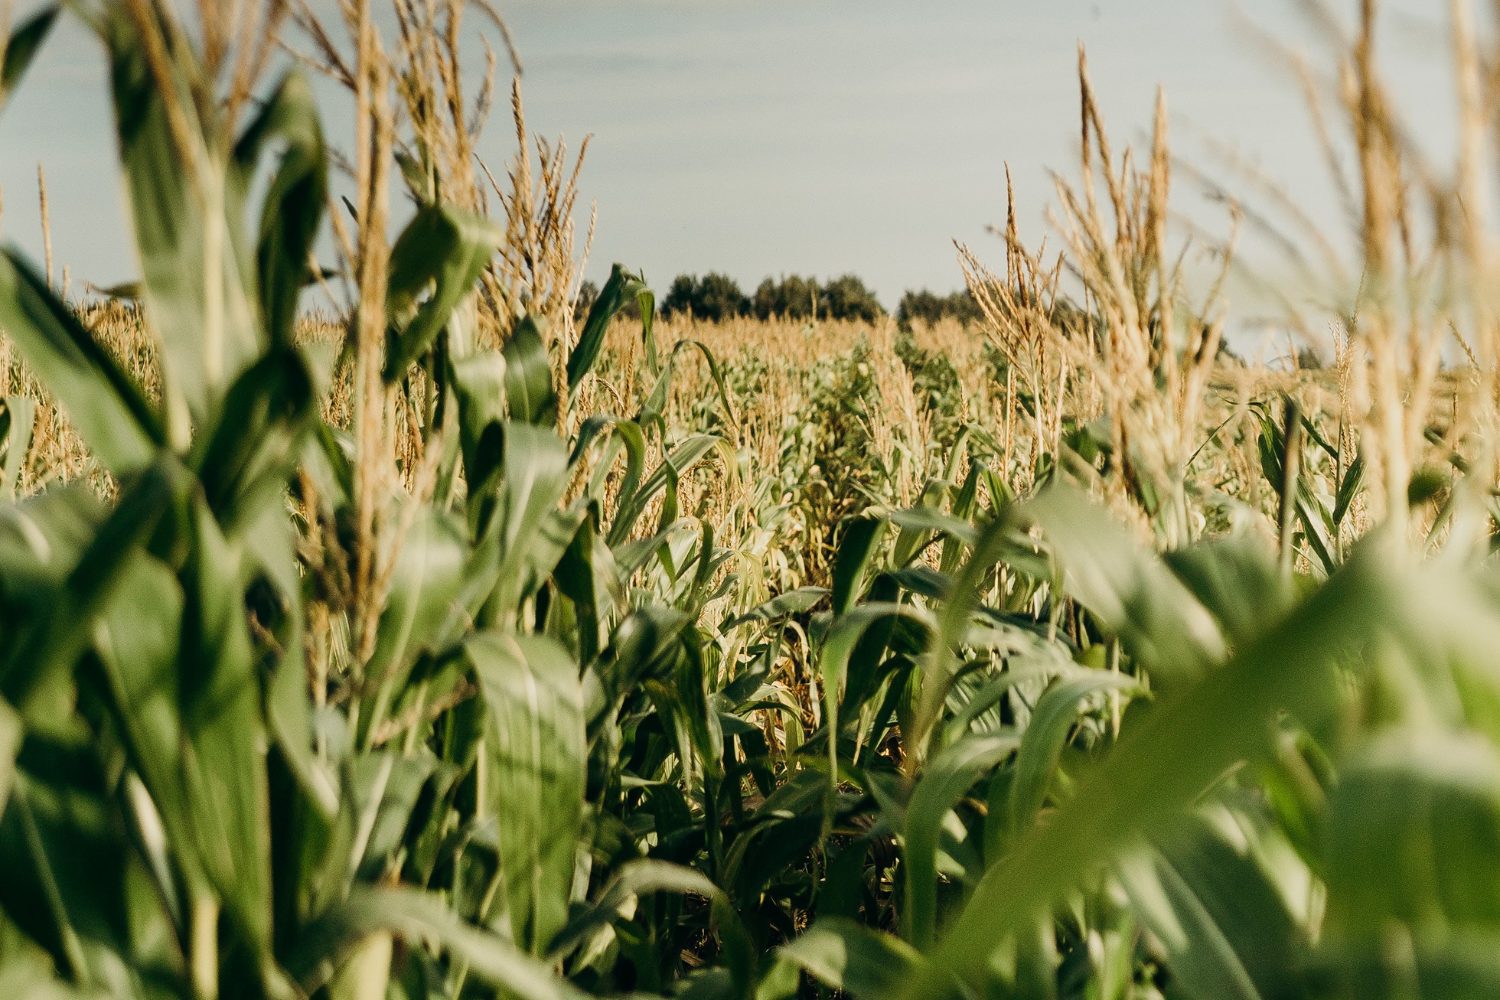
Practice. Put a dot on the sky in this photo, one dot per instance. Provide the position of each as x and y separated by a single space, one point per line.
764 137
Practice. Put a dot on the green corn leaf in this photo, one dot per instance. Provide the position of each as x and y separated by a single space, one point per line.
621 435
523 534
1216 906
1237 581
857 548
293 206
1422 808
1174 755
955 622
620 289
270 546
41 540
589 577
682 458
1046 735
532 776
197 277
443 249
224 730
40 651
34 977
22 47
834 666
423 599
323 945
109 410
1127 587
246 458
655 403
945 779
1348 488
793 602
67 884
534 533
1462 965
920 522
137 645
479 385
644 877
865 963
528 375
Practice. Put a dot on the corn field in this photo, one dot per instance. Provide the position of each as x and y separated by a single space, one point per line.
389 628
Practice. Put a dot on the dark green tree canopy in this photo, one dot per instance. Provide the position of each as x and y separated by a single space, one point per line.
925 306
713 297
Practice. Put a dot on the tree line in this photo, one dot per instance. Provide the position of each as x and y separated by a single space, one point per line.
715 297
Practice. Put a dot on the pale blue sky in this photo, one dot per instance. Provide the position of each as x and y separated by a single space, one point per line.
813 136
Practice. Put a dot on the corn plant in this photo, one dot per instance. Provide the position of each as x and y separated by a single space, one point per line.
184 812
283 716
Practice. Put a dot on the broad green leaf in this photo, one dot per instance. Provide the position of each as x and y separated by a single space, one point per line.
1127 587
532 776
36 979
423 599
1462 965
1413 836
1175 753
246 458
37 653
655 404
620 289
867 964
322 946
528 374
589 577
67 883
479 384
442 252
857 548
522 533
41 539
533 532
643 877
197 275
793 602
224 734
1348 488
945 780
294 202
955 619
21 48
834 668
1045 737
1237 581
1217 910
681 458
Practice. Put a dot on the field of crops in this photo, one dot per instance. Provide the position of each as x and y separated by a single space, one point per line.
396 629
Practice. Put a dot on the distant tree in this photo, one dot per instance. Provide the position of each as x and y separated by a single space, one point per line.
847 297
928 307
680 293
791 297
713 297
918 306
